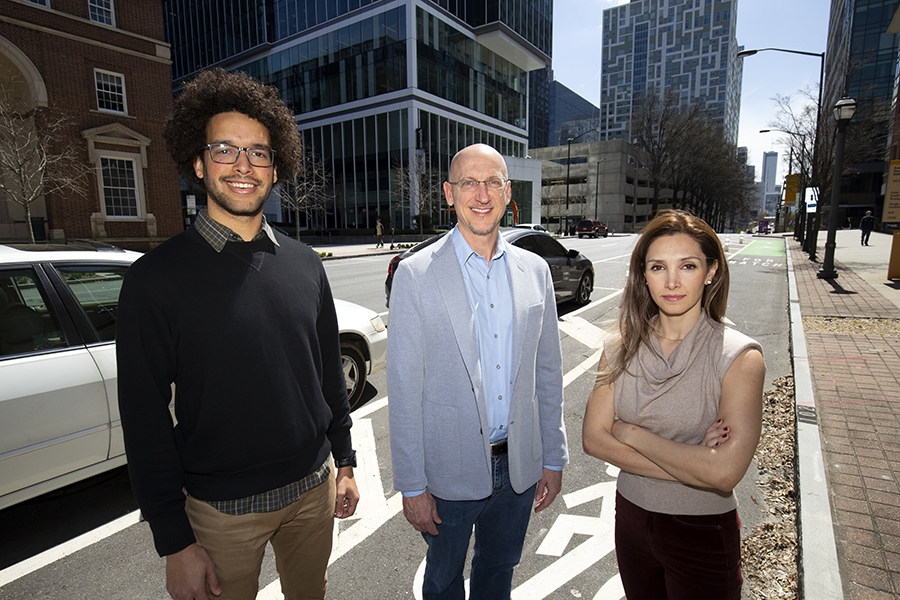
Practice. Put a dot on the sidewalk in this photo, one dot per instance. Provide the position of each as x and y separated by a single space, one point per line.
847 380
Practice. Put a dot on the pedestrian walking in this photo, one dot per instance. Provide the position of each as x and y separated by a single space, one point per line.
866 225
678 408
379 234
240 318
475 379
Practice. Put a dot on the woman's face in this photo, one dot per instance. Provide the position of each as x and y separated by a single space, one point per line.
676 273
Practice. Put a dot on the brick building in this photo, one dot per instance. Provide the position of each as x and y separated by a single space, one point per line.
103 64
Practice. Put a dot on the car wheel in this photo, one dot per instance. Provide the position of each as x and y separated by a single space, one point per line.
354 372
580 236
585 288
606 234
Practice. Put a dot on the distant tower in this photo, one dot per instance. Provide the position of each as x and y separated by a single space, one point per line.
769 187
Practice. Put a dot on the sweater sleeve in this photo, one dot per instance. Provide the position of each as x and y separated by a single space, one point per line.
334 388
145 353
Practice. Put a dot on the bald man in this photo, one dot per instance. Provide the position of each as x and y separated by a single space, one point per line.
475 385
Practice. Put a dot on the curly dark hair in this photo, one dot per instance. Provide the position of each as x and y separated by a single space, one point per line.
218 91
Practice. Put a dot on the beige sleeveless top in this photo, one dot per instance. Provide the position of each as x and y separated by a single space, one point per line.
678 398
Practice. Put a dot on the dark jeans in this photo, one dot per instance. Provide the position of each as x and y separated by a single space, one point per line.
500 522
677 557
865 236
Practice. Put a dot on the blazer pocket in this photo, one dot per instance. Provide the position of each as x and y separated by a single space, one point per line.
443 451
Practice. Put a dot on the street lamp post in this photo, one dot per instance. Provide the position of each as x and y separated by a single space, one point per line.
843 112
810 239
569 160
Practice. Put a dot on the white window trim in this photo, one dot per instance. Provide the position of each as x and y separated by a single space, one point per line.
112 13
124 93
135 160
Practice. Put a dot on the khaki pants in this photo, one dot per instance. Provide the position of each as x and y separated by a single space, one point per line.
300 535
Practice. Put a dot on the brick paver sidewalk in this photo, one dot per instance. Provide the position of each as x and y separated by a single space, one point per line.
856 379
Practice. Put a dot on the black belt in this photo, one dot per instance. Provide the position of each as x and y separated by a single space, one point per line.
500 448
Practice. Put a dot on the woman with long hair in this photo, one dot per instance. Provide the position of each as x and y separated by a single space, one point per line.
677 406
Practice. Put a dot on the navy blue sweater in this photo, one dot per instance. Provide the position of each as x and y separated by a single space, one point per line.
249 336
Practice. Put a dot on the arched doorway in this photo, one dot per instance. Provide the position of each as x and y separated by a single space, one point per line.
22 90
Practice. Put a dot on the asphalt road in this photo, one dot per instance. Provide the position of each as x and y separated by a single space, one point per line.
85 542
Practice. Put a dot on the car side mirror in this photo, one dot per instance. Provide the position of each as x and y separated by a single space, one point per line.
572 253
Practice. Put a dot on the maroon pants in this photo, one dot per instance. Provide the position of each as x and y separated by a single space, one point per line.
677 557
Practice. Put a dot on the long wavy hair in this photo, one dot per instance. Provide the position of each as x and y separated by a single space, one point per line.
216 91
638 312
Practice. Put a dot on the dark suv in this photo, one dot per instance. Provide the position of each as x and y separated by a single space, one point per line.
591 227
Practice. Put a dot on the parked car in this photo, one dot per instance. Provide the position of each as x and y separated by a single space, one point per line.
591 227
572 272
363 346
59 412
536 226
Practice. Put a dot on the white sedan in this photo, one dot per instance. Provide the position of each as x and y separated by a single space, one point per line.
363 346
59 411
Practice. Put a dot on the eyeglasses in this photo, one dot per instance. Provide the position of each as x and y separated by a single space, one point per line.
470 185
226 154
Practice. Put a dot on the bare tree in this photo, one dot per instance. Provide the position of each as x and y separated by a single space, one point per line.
662 127
865 142
419 188
36 156
309 190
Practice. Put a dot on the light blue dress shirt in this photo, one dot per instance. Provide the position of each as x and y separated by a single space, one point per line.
490 297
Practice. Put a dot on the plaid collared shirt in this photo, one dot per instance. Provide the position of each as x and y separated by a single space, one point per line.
218 235
273 499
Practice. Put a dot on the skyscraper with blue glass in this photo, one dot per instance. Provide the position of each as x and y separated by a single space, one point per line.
684 47
379 87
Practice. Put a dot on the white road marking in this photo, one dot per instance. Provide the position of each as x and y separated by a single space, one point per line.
606 298
574 562
583 331
374 509
586 366
39 561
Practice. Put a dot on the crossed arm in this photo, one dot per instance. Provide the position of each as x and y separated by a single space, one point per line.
713 464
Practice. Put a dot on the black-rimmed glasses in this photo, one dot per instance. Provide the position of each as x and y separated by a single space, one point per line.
226 154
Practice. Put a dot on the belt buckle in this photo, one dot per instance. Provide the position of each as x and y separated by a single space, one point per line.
499 448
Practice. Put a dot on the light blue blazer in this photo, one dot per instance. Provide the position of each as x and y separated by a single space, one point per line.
438 416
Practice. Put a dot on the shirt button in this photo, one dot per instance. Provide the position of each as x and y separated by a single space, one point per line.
498 366
492 305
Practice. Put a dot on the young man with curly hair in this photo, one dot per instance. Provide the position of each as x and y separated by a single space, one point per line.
240 320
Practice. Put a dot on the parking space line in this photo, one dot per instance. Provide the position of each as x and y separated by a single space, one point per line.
52 555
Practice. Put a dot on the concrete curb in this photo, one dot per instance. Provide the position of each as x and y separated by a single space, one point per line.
820 576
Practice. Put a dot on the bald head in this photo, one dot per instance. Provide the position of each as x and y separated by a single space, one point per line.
480 153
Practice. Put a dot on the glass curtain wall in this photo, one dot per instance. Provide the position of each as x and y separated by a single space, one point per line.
361 158
455 67
367 58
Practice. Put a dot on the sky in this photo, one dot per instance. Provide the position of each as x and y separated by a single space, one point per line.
790 24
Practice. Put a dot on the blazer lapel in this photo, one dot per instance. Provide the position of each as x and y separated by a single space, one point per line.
452 290
520 294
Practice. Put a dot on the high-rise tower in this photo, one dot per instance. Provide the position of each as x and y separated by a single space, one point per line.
687 48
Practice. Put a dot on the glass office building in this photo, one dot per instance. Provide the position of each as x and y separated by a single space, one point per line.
685 47
380 89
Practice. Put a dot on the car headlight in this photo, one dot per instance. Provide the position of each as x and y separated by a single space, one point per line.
377 323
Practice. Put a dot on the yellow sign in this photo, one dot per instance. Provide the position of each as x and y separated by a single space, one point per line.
791 189
891 212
